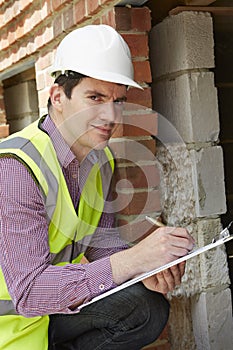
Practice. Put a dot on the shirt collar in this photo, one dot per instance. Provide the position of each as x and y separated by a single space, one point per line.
64 154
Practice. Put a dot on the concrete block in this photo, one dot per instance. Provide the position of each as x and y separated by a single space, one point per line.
190 103
212 320
176 184
207 270
213 264
182 42
20 99
208 181
20 123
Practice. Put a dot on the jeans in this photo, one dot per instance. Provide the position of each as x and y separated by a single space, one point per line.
126 320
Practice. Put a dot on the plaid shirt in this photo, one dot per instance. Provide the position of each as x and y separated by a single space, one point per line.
36 286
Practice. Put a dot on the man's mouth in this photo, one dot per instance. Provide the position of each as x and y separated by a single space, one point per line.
104 129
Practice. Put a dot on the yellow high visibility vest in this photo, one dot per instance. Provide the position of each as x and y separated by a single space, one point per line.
34 148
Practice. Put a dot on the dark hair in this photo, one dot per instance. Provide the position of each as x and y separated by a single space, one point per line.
68 81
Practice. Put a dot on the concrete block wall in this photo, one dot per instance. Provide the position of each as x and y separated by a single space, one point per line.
182 52
191 101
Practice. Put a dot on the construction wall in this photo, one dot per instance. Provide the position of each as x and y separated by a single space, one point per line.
184 92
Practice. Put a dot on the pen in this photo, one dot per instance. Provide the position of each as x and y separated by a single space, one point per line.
154 221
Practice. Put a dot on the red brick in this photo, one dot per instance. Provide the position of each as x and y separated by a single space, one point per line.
57 26
109 18
27 23
68 18
140 97
3 40
20 30
24 4
8 14
35 18
46 9
142 71
30 48
137 203
141 124
48 80
2 20
133 151
43 98
11 34
40 81
4 131
16 9
92 6
145 176
44 61
47 35
138 44
133 19
2 116
150 145
123 18
97 21
141 19
58 3
2 104
79 11
133 230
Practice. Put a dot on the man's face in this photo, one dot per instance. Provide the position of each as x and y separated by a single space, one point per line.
88 119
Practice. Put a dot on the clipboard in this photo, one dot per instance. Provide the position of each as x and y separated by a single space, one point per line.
224 236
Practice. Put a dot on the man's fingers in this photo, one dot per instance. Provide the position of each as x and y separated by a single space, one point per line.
171 277
166 280
161 283
181 237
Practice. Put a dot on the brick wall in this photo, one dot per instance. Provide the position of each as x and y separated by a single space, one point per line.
133 142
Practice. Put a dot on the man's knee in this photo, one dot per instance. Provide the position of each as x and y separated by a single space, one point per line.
159 312
150 312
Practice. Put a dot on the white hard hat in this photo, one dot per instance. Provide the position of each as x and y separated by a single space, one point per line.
97 51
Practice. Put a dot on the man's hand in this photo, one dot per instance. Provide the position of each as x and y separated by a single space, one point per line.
165 281
159 248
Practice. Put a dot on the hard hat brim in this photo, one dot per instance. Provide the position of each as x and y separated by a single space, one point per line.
108 76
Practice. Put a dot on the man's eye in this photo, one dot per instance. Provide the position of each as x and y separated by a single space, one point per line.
94 98
119 102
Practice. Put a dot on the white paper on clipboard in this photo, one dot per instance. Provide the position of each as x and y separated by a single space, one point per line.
224 237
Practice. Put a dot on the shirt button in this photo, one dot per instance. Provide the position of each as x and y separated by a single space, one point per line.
101 287
74 176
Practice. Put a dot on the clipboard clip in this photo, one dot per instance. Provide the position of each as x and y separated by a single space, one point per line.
225 233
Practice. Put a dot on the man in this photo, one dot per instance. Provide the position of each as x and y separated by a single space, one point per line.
58 247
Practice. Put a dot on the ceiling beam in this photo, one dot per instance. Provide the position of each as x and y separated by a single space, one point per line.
226 11
198 2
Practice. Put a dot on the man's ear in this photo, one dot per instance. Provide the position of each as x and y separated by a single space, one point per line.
56 93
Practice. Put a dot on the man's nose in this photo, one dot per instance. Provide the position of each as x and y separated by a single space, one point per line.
111 112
